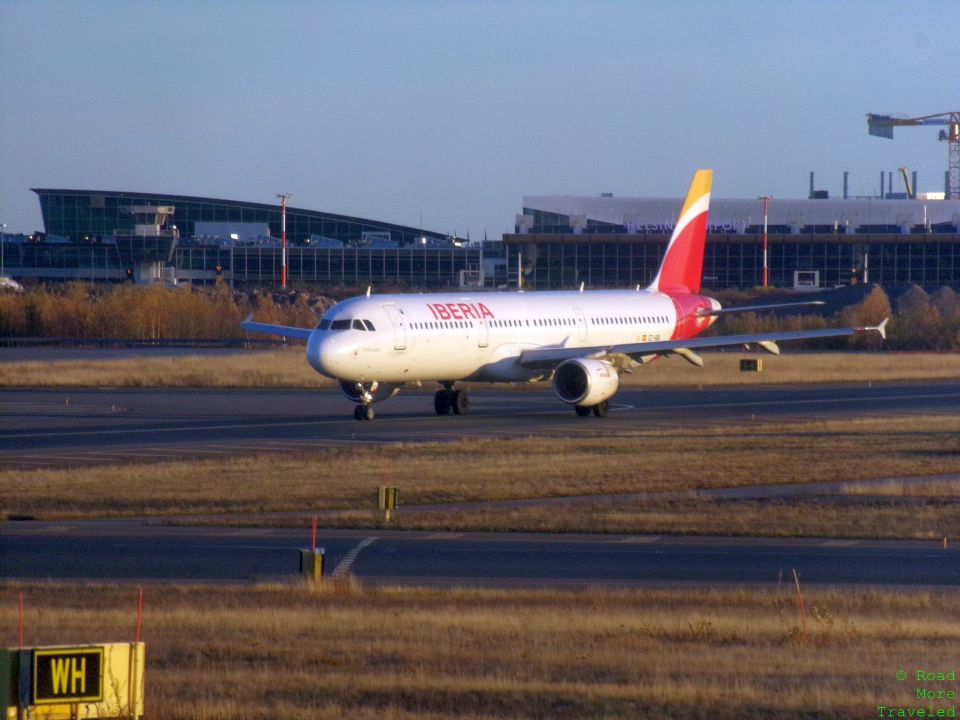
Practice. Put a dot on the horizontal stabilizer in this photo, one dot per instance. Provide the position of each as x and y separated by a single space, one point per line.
757 308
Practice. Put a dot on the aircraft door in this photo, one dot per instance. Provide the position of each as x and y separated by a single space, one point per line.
399 326
483 339
581 324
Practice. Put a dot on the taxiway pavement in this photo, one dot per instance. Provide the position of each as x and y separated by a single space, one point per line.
133 550
43 428
72 427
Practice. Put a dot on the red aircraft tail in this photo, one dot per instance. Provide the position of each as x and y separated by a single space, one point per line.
682 266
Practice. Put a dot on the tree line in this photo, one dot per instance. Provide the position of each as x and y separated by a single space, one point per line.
126 312
918 320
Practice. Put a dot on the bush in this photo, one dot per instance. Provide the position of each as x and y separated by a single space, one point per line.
127 312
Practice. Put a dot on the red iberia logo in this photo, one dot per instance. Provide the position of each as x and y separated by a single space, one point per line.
460 311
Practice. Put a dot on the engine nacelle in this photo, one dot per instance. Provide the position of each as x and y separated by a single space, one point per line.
368 392
585 382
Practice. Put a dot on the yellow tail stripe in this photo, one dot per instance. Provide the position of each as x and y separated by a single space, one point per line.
700 186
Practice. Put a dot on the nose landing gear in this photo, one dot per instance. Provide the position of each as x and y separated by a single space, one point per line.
363 412
364 395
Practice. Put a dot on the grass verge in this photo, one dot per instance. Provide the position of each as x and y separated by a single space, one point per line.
289 369
343 481
345 651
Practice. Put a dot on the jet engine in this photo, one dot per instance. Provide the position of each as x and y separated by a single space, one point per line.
585 382
368 392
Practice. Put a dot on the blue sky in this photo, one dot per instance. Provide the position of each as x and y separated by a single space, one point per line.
454 110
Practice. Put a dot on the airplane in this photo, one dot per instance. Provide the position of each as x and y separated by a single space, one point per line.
580 340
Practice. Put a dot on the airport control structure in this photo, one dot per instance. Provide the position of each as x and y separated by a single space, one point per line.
559 242
97 235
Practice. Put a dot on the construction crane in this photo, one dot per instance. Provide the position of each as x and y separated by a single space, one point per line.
883 125
906 183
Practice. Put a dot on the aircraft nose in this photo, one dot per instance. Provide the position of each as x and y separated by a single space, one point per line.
327 353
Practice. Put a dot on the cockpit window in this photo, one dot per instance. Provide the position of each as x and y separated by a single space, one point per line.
340 325
369 325
358 325
324 325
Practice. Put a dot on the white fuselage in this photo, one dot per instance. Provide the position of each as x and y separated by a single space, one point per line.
452 336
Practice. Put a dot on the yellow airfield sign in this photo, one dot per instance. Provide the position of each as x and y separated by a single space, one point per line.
67 675
71 682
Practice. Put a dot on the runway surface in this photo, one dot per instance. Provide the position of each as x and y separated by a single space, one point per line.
135 551
43 428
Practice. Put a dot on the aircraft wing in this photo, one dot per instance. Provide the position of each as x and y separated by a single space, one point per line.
281 330
550 357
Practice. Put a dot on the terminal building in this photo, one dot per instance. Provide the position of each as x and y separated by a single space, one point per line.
558 242
604 241
100 235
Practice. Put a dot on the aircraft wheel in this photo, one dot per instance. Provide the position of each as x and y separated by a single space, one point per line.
364 412
601 409
460 402
582 410
441 402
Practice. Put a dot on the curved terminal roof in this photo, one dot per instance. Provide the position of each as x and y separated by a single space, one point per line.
77 213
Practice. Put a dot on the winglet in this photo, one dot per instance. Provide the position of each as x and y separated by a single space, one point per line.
882 328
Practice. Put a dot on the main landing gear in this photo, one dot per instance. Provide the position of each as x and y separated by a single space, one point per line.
600 409
449 399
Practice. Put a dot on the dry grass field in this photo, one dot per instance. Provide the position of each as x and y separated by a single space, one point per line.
271 368
288 368
341 482
343 651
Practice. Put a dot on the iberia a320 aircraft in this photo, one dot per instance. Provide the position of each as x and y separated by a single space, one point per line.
581 341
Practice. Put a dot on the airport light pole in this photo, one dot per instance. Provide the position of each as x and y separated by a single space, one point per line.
3 247
283 237
766 201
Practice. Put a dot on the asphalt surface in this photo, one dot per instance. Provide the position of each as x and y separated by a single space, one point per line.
42 428
135 551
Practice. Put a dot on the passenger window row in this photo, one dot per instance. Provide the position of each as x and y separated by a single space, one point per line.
442 324
627 320
540 322
366 325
